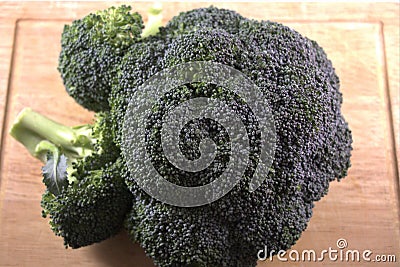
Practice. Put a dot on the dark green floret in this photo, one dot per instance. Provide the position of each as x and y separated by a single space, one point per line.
198 19
90 48
313 140
86 198
91 209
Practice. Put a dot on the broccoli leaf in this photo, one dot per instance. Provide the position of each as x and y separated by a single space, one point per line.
55 173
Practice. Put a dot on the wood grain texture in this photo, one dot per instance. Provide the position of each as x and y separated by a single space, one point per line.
391 37
362 41
7 27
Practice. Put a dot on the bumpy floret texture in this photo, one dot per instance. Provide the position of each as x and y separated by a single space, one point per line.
90 210
93 205
140 63
105 149
90 48
197 19
104 62
312 148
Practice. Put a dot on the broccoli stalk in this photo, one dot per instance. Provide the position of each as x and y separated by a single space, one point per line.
57 145
41 135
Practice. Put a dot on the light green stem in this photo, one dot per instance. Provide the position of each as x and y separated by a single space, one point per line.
40 134
154 21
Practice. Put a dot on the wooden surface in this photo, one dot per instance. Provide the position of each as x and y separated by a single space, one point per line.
362 40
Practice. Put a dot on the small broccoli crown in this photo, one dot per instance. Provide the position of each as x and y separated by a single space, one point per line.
90 210
87 74
115 26
90 49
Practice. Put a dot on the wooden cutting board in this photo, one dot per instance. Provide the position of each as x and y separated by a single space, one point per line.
362 40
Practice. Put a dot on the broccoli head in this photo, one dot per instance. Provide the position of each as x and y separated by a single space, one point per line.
313 144
106 60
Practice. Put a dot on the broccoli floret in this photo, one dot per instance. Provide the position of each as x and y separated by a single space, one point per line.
185 238
91 209
138 65
86 198
143 60
303 89
313 145
90 47
198 19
